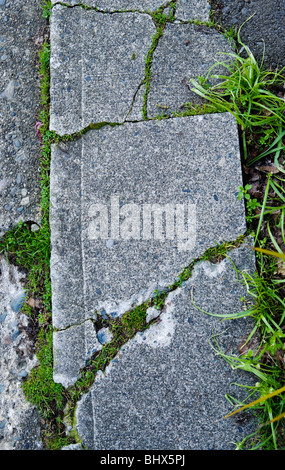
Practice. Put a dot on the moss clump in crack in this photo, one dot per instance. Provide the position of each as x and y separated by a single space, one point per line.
160 20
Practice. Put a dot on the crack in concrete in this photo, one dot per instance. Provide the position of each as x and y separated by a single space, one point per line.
133 102
153 300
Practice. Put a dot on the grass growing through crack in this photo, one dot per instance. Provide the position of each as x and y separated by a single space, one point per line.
30 249
252 94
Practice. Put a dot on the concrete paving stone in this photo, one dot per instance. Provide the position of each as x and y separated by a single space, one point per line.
97 66
68 362
22 30
193 9
267 26
113 196
185 51
120 5
166 388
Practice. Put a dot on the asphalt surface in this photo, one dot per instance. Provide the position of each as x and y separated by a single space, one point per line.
266 26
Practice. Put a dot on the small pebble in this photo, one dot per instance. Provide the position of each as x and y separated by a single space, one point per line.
17 143
25 201
23 373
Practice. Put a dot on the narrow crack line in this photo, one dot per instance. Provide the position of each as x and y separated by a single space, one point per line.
217 253
107 12
148 66
62 140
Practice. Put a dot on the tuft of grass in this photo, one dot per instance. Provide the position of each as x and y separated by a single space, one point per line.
262 354
247 92
30 250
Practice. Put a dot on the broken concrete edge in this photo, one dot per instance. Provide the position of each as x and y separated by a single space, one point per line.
152 315
154 303
129 297
199 9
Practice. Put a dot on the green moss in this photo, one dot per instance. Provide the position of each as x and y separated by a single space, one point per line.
148 63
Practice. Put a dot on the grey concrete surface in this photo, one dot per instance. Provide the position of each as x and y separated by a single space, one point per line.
186 9
185 51
165 390
267 26
22 29
96 68
109 264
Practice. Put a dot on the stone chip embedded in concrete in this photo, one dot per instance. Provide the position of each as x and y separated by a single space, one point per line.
166 387
113 195
184 51
97 66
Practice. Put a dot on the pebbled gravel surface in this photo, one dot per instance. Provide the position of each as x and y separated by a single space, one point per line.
267 25
22 29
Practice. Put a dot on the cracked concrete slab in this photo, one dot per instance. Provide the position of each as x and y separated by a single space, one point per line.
19 419
166 387
118 5
97 66
185 51
67 365
264 33
130 210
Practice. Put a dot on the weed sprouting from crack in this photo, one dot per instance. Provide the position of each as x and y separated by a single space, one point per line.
160 20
